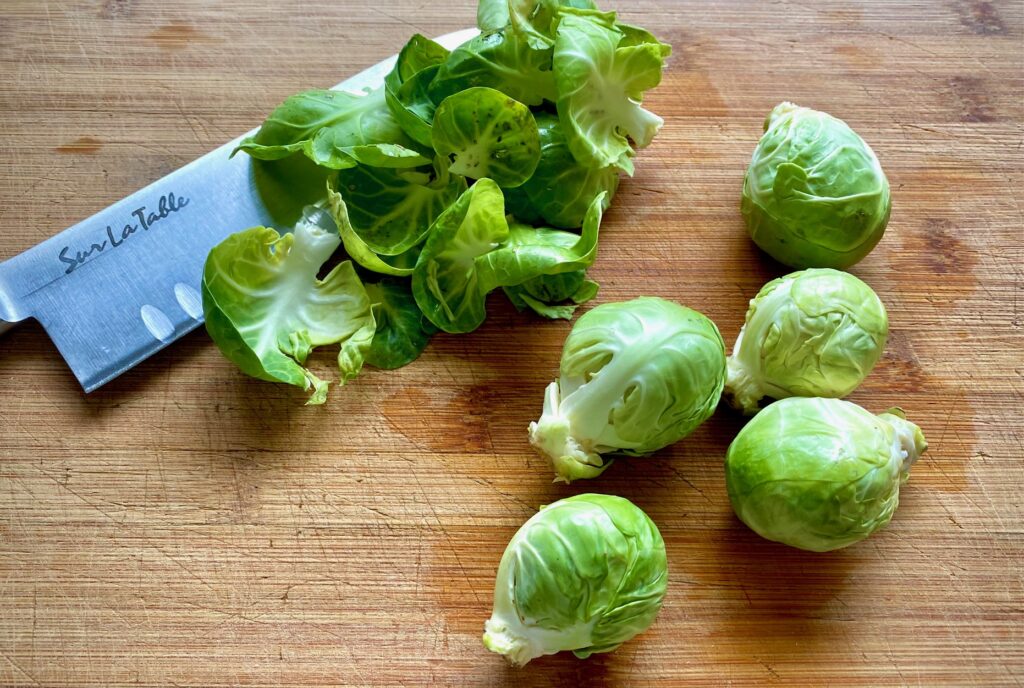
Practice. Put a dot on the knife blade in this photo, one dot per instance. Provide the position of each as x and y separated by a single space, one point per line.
116 288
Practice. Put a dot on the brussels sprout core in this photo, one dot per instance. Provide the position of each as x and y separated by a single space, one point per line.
552 437
506 635
909 438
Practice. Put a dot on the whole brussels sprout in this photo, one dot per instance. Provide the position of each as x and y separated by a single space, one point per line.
820 474
815 195
584 574
635 376
813 333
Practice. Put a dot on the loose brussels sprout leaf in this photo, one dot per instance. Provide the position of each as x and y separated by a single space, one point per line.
530 252
288 185
266 309
636 35
584 574
471 250
446 282
533 20
413 106
418 54
635 376
545 295
820 474
503 61
334 129
814 333
357 249
402 331
484 133
814 195
392 210
407 86
600 86
561 189
517 203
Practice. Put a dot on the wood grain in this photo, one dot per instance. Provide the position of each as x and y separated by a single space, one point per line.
186 525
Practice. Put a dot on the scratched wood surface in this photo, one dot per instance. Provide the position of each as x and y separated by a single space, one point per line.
186 525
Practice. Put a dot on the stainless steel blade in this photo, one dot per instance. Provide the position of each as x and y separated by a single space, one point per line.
118 287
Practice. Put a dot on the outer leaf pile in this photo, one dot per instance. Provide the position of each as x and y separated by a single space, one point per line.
445 184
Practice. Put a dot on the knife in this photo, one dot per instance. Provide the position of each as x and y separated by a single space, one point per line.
116 288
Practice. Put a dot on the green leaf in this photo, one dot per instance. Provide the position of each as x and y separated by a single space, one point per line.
484 133
358 250
587 291
288 185
518 204
503 61
266 310
472 250
445 282
407 87
335 129
562 189
402 331
529 252
392 210
418 54
546 295
324 150
533 20
601 83
635 35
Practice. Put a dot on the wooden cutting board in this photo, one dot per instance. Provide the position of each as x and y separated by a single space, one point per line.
186 525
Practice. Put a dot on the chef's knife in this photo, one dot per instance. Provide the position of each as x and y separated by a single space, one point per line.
118 287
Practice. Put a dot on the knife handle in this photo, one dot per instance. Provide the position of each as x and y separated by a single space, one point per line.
5 326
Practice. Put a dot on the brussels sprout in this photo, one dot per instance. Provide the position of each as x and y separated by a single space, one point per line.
584 574
814 333
820 474
815 195
635 376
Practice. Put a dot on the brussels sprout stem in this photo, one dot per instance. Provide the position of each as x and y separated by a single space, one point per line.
498 637
552 437
909 441
742 391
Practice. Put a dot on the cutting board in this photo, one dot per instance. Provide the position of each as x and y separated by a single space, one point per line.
187 525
